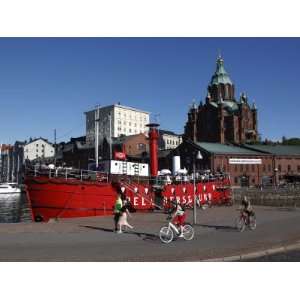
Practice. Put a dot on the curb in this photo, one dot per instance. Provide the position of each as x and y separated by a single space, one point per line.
255 254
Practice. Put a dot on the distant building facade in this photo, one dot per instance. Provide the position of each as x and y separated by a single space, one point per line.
6 162
168 140
222 118
247 165
115 120
38 148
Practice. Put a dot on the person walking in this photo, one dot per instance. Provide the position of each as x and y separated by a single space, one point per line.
117 211
123 218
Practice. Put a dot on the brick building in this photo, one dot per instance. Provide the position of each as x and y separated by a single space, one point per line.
133 145
286 159
222 119
247 165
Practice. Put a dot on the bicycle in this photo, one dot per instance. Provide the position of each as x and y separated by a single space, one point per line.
244 220
168 233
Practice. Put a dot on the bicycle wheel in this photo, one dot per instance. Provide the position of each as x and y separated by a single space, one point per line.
204 206
252 222
166 234
188 232
240 224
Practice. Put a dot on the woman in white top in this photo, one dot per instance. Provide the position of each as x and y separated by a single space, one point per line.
123 218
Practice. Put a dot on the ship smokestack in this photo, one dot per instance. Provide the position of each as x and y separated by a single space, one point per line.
153 139
176 164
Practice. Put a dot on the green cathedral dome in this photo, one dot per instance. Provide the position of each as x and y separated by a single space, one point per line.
220 76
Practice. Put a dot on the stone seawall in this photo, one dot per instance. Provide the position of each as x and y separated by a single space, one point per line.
269 197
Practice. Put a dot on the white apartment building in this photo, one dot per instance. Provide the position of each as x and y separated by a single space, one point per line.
169 140
115 120
38 148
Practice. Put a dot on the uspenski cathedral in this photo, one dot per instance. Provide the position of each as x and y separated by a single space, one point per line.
222 118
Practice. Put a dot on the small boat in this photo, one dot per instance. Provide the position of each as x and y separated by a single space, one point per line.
10 188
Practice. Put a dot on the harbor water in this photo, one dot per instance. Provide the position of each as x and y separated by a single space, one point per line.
14 208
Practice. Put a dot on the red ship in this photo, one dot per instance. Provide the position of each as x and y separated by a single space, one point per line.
67 193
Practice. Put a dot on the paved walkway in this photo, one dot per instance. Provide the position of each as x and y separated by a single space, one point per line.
92 239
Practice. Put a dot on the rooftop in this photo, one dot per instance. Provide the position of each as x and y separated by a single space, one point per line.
162 131
120 106
276 149
218 148
230 106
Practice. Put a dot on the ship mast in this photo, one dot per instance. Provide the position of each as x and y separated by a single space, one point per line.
8 166
0 162
97 136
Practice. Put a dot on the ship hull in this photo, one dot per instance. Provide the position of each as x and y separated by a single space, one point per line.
59 198
73 198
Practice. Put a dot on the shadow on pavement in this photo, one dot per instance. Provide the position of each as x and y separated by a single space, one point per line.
218 227
290 209
143 235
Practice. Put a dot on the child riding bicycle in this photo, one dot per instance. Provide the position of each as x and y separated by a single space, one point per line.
178 215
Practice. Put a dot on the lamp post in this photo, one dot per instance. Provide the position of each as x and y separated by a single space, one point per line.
97 136
110 137
275 177
198 157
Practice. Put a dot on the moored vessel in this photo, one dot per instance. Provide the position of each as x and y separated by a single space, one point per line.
66 193
8 188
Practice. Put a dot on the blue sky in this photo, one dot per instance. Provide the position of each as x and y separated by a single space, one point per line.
48 83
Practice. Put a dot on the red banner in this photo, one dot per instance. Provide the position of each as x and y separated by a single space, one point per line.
120 155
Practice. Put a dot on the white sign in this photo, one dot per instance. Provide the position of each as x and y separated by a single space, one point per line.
119 167
245 161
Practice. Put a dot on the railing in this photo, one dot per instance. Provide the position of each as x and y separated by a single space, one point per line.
88 175
82 175
271 196
129 185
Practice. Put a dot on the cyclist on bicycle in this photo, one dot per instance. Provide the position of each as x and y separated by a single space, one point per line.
247 208
178 215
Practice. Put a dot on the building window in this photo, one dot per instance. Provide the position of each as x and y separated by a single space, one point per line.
241 168
253 168
279 168
264 168
253 180
141 146
235 180
289 168
235 168
298 168
247 168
